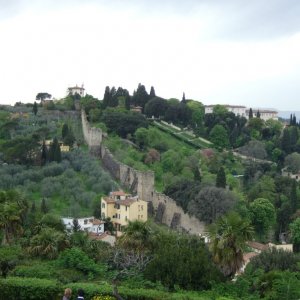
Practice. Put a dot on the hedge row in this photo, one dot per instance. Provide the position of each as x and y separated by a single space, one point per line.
198 144
18 288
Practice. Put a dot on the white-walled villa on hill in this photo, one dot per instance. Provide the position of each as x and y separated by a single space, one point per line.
243 111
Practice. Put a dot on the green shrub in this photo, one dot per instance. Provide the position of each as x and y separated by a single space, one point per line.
15 288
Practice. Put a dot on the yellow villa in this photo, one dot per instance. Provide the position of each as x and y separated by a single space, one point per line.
121 208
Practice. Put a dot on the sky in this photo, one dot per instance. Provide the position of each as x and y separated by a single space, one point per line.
216 51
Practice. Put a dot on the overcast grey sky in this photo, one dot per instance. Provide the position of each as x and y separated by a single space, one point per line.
216 51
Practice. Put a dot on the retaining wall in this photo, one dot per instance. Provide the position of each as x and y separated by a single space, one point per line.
140 183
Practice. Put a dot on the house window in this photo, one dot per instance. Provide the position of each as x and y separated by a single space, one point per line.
141 207
85 221
125 218
119 216
103 205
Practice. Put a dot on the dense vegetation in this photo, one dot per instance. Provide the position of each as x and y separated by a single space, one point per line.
204 162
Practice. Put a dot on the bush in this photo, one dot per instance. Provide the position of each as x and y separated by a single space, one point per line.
14 288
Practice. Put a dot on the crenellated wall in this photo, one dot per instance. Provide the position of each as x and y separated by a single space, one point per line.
140 183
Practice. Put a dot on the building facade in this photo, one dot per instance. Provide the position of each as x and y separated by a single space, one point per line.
76 90
243 111
122 208
88 224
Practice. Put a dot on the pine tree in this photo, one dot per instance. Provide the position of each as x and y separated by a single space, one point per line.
258 114
152 93
291 120
44 154
35 108
44 207
221 178
250 113
293 196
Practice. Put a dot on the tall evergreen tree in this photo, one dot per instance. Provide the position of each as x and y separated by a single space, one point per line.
127 101
76 226
258 114
294 120
152 93
44 154
35 108
291 120
113 99
44 206
54 151
286 141
293 137
221 178
293 196
106 98
64 130
250 113
183 98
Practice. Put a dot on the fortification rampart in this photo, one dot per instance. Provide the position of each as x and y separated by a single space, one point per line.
140 183
173 211
92 135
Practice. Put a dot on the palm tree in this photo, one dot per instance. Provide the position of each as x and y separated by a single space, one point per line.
48 243
228 237
136 236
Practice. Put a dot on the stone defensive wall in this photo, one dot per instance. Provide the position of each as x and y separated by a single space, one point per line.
166 210
92 135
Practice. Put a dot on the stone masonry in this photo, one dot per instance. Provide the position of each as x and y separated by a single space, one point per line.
140 183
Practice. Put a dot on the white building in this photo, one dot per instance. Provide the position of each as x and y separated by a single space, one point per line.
265 114
88 224
239 110
76 90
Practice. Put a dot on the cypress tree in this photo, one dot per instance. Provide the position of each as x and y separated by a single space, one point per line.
152 93
286 141
291 120
64 131
258 114
127 101
35 108
221 179
183 98
76 226
293 138
57 153
250 113
44 154
106 98
294 120
293 196
44 207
